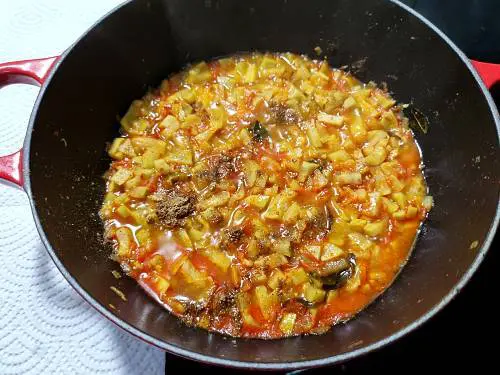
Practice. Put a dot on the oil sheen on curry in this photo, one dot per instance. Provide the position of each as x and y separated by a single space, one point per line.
264 195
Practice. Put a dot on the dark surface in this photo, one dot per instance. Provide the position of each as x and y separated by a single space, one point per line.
145 40
472 24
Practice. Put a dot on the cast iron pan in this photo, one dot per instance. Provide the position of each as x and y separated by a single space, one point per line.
141 42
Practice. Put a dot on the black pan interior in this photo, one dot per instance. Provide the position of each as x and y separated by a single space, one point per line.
144 41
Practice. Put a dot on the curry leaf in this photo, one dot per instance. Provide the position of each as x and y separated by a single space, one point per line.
259 132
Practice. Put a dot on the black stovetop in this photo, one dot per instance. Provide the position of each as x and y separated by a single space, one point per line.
462 335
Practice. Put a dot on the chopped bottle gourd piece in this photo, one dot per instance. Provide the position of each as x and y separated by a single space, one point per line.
124 239
287 323
267 301
258 201
334 120
220 259
375 228
314 251
330 251
297 276
121 176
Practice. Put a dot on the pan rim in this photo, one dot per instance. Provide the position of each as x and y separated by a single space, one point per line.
338 358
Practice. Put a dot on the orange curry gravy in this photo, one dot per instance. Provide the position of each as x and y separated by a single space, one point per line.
264 195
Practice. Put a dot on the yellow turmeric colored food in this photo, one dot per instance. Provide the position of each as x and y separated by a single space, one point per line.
264 195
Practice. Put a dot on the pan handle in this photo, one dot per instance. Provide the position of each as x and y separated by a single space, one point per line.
490 73
32 72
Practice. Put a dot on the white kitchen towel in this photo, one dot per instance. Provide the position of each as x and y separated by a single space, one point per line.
45 326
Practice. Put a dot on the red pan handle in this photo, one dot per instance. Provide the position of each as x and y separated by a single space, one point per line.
490 73
33 72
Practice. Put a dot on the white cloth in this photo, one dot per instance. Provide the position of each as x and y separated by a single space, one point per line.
45 326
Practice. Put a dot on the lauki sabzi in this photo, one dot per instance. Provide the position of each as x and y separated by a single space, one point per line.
264 195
